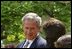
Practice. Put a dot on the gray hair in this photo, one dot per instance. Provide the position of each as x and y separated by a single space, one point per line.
32 16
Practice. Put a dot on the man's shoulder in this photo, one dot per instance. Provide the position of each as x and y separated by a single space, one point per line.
41 42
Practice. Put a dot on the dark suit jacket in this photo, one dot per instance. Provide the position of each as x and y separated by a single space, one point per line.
39 42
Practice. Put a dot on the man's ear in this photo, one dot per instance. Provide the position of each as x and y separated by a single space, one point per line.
40 29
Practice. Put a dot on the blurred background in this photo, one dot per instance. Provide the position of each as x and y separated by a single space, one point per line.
13 11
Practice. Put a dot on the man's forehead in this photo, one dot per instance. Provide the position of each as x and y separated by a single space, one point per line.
29 21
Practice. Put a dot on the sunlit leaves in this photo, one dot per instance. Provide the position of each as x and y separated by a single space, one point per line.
11 38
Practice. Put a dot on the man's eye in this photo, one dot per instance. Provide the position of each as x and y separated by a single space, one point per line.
32 28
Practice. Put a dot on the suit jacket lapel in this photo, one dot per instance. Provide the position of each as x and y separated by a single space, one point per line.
22 44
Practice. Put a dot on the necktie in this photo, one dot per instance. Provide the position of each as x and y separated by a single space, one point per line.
26 45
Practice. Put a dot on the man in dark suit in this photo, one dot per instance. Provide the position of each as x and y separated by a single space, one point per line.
39 42
31 26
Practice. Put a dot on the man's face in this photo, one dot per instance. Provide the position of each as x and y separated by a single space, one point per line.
30 29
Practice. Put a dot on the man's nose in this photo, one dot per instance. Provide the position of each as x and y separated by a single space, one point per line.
29 31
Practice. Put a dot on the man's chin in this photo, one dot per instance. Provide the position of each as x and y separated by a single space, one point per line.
30 38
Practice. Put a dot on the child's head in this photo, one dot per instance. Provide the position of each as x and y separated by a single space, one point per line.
63 42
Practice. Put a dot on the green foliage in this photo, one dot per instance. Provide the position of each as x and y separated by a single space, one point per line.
10 37
13 11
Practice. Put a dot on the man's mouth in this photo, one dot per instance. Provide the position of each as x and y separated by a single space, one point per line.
29 35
